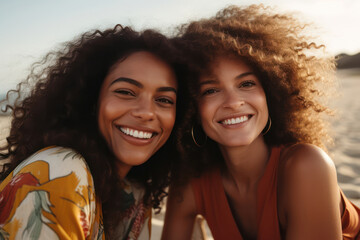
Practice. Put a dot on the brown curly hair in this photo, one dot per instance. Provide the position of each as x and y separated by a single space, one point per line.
61 110
295 72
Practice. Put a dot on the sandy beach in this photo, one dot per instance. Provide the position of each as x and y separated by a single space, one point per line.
346 149
346 130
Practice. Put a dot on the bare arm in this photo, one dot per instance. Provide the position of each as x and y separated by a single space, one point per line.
310 194
180 214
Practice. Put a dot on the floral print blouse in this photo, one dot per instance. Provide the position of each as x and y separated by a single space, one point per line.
51 195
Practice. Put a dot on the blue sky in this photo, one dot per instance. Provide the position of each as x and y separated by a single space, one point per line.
29 29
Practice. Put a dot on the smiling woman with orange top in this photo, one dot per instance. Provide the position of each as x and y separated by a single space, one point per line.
263 172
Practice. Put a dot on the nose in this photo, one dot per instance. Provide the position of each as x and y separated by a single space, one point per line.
144 110
233 100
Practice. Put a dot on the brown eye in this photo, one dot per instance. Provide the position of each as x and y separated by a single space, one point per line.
209 91
124 92
164 100
247 84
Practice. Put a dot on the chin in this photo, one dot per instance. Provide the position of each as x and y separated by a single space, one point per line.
132 160
239 143
137 163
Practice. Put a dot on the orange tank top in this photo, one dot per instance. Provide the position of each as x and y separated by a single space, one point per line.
211 202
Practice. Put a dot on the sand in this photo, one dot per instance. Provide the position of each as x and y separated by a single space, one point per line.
345 152
346 128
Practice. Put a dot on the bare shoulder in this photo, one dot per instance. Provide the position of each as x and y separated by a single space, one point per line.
306 160
306 168
308 194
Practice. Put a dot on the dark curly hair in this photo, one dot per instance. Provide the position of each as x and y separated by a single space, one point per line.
61 110
295 72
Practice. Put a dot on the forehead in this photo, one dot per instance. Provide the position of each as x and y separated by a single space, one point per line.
231 62
226 65
144 67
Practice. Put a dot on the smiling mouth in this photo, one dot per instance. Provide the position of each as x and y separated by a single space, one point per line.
136 133
237 120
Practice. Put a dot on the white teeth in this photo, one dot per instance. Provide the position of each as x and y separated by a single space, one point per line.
136 133
235 120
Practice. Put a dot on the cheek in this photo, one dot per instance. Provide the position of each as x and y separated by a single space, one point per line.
110 107
206 112
106 114
260 99
260 103
168 120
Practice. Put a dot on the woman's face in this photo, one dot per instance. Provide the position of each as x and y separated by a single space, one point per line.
136 108
232 103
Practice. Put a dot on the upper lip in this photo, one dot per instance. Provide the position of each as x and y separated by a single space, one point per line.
238 115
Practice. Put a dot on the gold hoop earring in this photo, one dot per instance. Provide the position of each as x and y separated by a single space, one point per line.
193 137
269 126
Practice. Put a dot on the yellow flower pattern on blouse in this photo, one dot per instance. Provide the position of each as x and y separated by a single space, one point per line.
50 195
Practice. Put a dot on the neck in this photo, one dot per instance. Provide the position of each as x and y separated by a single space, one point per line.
123 170
246 164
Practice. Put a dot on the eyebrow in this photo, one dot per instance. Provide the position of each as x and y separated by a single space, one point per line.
237 77
128 80
166 89
244 75
140 85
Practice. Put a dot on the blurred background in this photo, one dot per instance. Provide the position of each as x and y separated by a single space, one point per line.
30 29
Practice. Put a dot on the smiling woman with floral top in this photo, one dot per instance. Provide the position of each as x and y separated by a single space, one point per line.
87 146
